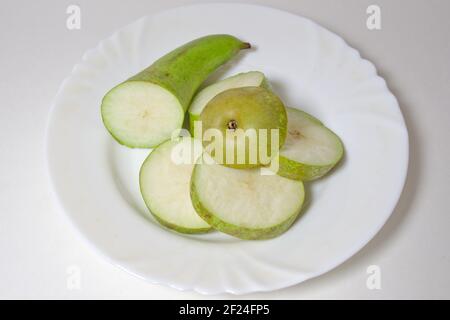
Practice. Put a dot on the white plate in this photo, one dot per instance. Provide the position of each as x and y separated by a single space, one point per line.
96 180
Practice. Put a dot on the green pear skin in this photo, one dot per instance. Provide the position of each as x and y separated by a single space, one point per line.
184 69
144 110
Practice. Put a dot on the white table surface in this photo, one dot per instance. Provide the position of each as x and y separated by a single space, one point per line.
38 246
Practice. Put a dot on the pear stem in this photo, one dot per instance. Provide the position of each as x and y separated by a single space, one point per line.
246 45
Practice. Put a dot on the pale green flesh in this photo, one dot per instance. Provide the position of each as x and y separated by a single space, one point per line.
165 186
310 149
247 79
141 114
244 203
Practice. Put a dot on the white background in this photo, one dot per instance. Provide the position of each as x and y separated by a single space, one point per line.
37 245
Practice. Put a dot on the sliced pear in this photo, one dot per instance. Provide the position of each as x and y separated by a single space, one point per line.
310 149
243 203
165 185
246 79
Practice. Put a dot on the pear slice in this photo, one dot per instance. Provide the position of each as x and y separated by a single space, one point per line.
165 185
246 79
242 202
244 127
310 149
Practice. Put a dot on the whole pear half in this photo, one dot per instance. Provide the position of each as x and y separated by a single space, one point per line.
251 121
